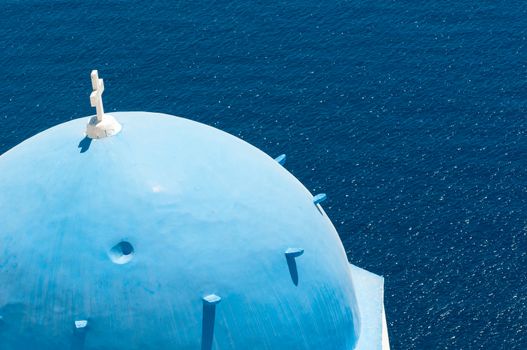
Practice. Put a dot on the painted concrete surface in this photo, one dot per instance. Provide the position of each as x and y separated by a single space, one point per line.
136 236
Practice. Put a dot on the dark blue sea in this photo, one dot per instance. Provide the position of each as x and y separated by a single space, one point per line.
410 115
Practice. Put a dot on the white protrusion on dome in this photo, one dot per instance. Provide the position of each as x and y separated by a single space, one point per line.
102 125
79 324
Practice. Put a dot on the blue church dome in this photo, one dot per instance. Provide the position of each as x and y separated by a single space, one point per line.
169 235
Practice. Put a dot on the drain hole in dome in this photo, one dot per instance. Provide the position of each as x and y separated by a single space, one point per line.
122 252
126 248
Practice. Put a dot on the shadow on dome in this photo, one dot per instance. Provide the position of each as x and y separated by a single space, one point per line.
85 143
207 330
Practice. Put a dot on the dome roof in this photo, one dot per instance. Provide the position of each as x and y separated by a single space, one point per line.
131 232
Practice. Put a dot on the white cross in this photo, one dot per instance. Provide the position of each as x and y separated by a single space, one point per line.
96 96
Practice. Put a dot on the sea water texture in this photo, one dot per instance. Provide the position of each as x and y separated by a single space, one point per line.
410 115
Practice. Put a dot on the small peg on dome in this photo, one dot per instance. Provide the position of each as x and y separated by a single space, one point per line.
209 316
79 334
294 252
319 198
212 299
80 324
281 159
290 255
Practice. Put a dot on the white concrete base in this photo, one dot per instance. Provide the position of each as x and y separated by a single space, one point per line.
369 289
385 338
108 126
